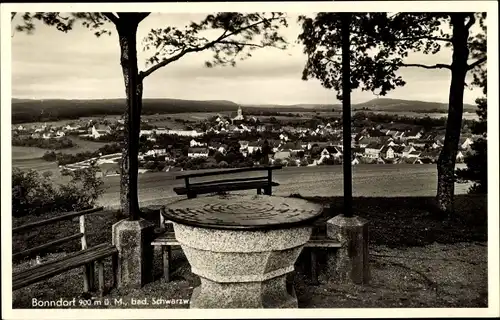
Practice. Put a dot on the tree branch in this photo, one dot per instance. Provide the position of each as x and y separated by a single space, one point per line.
433 38
436 66
143 15
242 44
471 21
224 35
476 63
111 17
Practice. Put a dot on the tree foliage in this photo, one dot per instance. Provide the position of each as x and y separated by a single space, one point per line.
238 35
34 193
477 160
380 44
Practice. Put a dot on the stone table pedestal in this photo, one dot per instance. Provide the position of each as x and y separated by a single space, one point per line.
243 247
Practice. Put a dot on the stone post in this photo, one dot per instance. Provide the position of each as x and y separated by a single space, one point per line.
135 253
351 263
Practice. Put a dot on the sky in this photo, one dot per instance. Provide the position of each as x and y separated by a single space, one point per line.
77 65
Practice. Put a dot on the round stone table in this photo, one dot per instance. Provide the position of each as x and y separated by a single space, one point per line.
242 247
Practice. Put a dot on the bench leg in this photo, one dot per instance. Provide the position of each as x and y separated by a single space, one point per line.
100 271
166 262
267 191
114 269
92 276
86 279
314 266
259 191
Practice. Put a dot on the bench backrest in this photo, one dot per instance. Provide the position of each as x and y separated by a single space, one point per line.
269 175
80 235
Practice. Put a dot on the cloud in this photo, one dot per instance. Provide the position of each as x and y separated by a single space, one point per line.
52 64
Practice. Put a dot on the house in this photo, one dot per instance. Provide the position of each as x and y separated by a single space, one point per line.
385 139
156 152
282 155
96 132
71 128
243 144
59 134
419 143
415 133
372 150
252 147
429 156
460 156
399 135
330 151
365 141
239 116
398 151
407 150
358 151
465 143
319 144
414 154
283 137
185 133
194 143
197 152
391 152
387 152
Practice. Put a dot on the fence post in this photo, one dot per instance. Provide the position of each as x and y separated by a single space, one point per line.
88 272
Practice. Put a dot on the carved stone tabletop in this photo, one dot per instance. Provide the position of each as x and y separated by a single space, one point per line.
243 212
242 247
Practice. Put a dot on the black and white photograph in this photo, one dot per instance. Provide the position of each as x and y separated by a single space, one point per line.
249 159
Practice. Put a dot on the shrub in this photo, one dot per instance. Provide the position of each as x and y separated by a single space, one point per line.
223 164
33 194
52 143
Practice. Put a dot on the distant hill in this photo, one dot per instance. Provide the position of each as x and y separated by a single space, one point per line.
31 110
379 104
394 105
25 110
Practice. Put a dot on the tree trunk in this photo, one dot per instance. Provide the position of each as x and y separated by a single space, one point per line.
129 203
346 112
447 157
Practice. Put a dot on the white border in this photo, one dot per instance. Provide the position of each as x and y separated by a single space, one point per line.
297 7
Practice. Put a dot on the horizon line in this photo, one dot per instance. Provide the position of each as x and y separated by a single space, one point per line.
240 103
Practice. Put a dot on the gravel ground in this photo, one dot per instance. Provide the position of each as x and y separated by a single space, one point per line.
431 276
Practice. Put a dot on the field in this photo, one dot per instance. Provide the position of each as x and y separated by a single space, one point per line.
368 181
24 153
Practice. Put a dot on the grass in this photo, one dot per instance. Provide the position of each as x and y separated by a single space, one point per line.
416 260
22 153
410 221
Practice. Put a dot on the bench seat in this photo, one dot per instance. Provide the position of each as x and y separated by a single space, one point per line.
68 262
167 240
225 186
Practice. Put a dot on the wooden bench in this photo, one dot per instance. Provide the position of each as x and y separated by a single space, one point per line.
262 183
319 242
84 258
167 240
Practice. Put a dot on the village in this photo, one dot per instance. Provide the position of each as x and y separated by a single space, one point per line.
243 140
